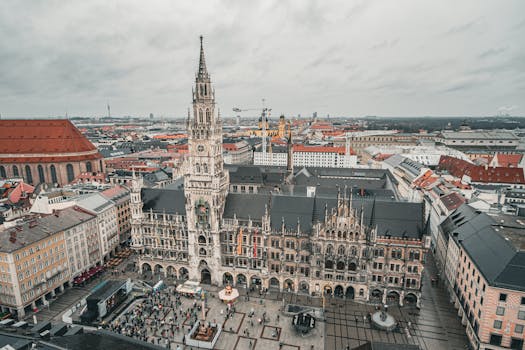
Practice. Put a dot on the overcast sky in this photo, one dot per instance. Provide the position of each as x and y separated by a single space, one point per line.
343 58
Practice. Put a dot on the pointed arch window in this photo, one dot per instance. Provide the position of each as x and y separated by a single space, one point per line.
198 168
205 168
41 177
29 176
53 172
208 115
89 167
201 117
70 173
15 171
3 173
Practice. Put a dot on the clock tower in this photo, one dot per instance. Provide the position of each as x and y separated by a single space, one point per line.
205 181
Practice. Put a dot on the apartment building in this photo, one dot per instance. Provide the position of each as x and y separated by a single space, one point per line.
107 220
121 197
484 270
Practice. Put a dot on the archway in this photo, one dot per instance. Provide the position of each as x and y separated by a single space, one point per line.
146 268
205 276
202 239
255 282
158 269
289 285
392 298
241 280
410 299
304 287
327 290
274 284
350 292
340 265
227 278
171 272
338 291
183 274
376 295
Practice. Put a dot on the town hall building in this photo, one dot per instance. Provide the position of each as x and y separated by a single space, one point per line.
319 231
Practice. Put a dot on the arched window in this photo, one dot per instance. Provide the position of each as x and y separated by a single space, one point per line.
198 168
341 250
329 249
70 173
353 251
15 171
89 168
208 115
205 170
41 177
2 172
53 171
29 176
202 239
201 116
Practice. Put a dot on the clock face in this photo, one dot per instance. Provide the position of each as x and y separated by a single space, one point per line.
200 148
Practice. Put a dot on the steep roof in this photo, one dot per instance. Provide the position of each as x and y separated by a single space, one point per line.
43 139
246 206
477 173
170 201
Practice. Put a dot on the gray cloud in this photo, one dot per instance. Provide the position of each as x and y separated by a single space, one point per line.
336 57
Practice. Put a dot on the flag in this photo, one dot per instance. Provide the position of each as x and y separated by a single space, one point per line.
239 242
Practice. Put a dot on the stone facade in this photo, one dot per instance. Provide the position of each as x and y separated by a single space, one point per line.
341 255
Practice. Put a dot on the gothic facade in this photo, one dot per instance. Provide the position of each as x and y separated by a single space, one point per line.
338 232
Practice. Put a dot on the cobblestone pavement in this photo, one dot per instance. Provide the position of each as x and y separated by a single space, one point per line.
434 327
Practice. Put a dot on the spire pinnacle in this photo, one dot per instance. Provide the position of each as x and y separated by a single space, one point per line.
203 72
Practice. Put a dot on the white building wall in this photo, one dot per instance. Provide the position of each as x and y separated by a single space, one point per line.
307 159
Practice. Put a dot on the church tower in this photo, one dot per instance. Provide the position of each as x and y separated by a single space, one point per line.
206 181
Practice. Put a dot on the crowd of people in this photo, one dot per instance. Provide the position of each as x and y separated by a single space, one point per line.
157 318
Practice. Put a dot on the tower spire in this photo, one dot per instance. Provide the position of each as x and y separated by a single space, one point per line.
203 72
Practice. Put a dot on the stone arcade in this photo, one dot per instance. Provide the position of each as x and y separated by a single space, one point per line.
337 232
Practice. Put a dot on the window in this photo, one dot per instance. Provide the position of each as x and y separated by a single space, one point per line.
516 343
502 297
522 300
3 173
41 177
89 167
29 176
15 171
53 171
497 324
521 315
70 173
518 329
500 311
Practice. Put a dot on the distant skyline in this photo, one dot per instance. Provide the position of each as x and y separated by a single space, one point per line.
343 58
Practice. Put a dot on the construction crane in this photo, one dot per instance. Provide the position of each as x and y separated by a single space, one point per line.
265 114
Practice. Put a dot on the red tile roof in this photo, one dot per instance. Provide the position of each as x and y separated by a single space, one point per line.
478 173
452 201
20 191
43 140
507 160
